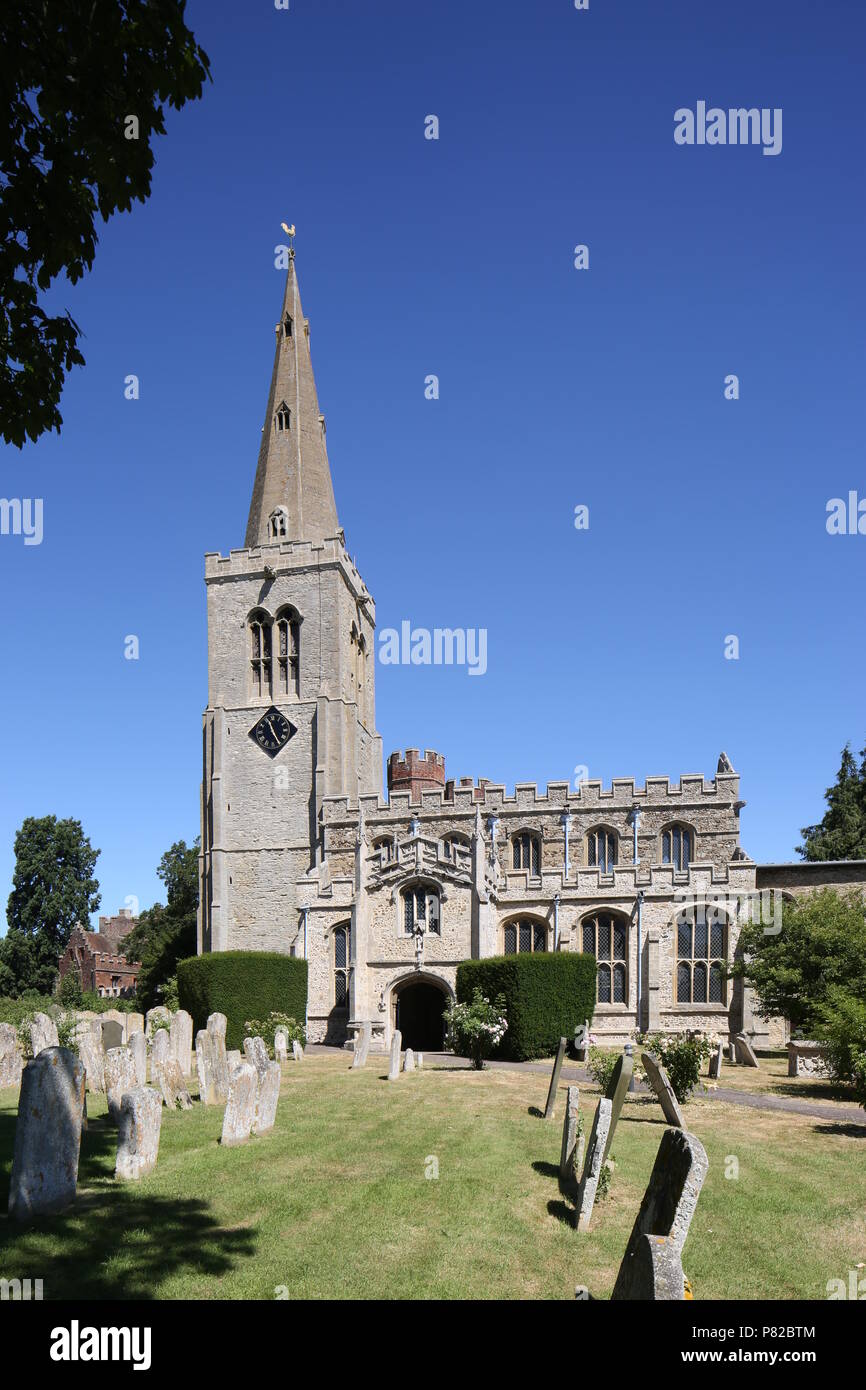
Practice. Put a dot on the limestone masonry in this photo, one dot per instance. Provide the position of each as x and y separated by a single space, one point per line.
386 894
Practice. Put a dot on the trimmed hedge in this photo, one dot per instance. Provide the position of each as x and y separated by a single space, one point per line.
546 997
242 985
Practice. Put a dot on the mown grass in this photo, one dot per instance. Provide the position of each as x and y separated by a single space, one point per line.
335 1202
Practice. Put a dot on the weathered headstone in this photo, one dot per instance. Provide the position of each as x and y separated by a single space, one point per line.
134 1024
281 1045
233 1059
152 1015
11 1061
119 1078
658 1079
617 1089
715 1068
570 1127
138 1047
216 1026
207 1079
91 1053
172 1087
419 1060
267 1095
47 1134
409 1060
240 1110
138 1132
160 1046
181 1040
362 1045
43 1033
808 1059
593 1164
297 1050
256 1052
581 1040
744 1052
554 1080
394 1061
121 1019
111 1032
667 1208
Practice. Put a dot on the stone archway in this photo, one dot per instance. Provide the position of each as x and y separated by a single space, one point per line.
419 1004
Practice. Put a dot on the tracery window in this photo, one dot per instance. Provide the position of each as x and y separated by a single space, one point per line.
677 846
421 908
342 942
701 955
605 936
522 935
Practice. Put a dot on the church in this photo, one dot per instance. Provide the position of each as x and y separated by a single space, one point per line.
385 894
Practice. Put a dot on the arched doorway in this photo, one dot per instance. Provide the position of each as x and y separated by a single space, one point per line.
418 1015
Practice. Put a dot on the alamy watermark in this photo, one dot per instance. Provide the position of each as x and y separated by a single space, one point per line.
22 516
439 646
760 905
738 125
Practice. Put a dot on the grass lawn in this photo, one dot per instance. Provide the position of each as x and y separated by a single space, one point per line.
335 1202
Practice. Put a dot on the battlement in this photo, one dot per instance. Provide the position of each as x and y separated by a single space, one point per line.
284 556
411 773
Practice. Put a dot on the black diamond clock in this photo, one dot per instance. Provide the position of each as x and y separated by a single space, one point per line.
272 732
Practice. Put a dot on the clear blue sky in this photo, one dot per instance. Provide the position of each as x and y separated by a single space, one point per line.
558 387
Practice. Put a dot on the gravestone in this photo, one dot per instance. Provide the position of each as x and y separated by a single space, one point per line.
119 1078
47 1135
362 1045
181 1040
281 1045
667 1208
571 1124
581 1041
419 1060
256 1052
267 1095
744 1052
617 1088
656 1272
658 1079
91 1053
172 1087
204 1060
808 1059
216 1026
554 1080
409 1060
240 1110
138 1132
115 1016
11 1061
138 1048
593 1165
233 1059
394 1063
297 1050
152 1015
160 1047
134 1024
715 1068
43 1033
111 1032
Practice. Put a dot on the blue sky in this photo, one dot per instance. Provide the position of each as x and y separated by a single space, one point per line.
558 387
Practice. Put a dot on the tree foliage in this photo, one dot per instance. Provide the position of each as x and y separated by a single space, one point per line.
822 945
842 832
72 76
53 887
165 934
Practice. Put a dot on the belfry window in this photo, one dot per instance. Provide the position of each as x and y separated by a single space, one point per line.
526 853
420 909
283 418
287 326
342 941
677 847
605 936
260 654
288 652
524 935
278 524
700 955
601 849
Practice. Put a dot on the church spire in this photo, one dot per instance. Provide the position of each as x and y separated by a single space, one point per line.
293 497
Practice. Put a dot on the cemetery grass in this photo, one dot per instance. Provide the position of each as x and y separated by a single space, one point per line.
335 1202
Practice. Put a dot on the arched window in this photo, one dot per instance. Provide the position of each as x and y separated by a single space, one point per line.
288 652
278 524
452 843
701 955
282 418
421 908
522 935
287 326
602 846
342 943
677 846
605 936
526 853
260 654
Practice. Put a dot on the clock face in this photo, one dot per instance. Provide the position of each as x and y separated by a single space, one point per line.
272 732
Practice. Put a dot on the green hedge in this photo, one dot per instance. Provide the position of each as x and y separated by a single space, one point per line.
546 997
242 985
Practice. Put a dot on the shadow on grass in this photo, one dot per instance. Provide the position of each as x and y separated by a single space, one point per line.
534 1111
852 1131
547 1170
562 1212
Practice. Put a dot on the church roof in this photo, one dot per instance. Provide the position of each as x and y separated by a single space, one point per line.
293 474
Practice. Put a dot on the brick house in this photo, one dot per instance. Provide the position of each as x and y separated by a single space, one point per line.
97 959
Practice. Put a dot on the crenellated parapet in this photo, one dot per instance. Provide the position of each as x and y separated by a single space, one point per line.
285 556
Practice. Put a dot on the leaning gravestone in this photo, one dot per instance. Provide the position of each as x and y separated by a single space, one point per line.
11 1061
43 1033
554 1080
571 1125
181 1040
667 1208
744 1052
715 1069
91 1053
138 1047
267 1095
256 1052
394 1062
112 1033
47 1135
138 1132
297 1050
593 1164
409 1060
362 1046
281 1045
119 1078
617 1088
172 1087
658 1079
240 1110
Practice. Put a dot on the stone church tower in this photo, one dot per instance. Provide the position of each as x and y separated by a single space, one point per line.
290 717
